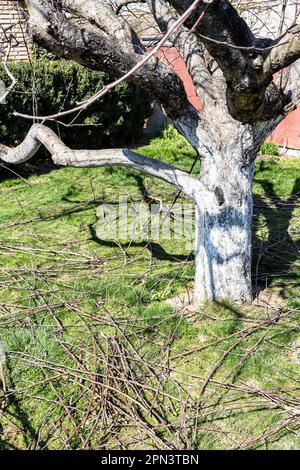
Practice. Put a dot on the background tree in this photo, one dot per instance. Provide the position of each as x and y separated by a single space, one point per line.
232 70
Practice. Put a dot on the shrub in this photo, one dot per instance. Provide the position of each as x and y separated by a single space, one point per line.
269 148
51 85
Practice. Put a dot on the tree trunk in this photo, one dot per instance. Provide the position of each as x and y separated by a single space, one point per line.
224 225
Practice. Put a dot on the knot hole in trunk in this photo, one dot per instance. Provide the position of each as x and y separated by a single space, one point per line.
219 195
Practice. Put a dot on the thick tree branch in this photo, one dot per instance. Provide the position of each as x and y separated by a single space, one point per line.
62 155
291 82
246 61
285 51
89 47
218 25
104 17
188 45
119 4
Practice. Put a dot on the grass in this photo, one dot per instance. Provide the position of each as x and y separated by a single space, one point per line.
270 149
97 359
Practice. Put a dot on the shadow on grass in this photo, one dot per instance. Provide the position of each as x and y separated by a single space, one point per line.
156 250
275 255
29 433
39 165
16 411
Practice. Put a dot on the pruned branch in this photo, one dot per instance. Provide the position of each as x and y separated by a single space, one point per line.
63 155
286 50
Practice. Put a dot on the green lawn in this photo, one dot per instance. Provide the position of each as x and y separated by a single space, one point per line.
97 359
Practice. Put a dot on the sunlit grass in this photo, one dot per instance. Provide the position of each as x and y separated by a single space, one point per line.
58 281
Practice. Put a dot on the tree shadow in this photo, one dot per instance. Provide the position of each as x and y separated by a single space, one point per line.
156 250
16 411
30 434
274 255
143 189
41 164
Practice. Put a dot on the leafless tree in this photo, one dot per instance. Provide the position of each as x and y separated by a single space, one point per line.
232 61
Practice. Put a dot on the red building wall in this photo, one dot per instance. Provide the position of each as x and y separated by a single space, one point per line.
171 56
287 134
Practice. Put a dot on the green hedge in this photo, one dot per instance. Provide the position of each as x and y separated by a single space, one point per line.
116 120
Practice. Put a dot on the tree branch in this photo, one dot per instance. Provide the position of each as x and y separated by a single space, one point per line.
247 62
188 45
62 155
243 59
285 51
291 80
8 72
93 49
218 20
104 17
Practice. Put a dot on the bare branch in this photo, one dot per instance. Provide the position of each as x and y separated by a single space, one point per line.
286 50
8 72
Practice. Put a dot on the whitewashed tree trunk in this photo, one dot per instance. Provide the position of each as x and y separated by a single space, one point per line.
222 193
224 223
